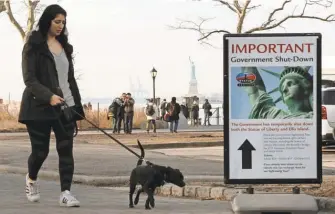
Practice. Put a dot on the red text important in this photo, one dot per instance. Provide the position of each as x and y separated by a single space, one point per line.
272 48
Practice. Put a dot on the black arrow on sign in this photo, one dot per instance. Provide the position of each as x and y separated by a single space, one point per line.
246 149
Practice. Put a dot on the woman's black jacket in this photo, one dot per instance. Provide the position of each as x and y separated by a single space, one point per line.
41 80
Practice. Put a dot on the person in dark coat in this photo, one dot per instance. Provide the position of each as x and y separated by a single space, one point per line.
173 108
129 103
195 113
48 74
117 110
120 119
207 110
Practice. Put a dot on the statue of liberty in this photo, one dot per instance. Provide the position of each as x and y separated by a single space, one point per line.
296 92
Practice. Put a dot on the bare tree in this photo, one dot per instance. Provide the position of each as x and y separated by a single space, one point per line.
242 8
33 8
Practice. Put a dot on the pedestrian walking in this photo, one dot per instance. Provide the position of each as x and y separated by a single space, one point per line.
48 74
151 114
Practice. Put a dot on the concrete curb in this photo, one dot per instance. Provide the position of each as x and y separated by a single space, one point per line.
220 193
226 194
325 204
199 192
178 145
101 180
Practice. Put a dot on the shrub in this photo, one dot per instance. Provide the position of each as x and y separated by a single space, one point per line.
9 118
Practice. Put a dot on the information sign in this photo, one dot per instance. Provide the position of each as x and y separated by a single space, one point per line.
272 112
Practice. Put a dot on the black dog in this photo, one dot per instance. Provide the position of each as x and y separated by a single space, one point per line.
150 177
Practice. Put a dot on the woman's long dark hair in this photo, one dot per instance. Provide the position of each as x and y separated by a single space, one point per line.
44 24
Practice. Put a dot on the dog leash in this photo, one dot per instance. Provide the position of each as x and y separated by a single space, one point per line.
141 157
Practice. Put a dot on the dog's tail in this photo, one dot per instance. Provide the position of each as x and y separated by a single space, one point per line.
140 161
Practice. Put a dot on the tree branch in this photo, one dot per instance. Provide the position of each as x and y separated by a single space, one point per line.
242 16
254 7
2 6
237 6
242 11
31 16
198 27
228 5
12 18
324 3
273 23
213 32
270 18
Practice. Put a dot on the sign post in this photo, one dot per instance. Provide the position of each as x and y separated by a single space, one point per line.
272 97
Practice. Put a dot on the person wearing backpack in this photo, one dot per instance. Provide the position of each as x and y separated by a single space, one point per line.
207 110
151 113
110 114
116 109
163 108
173 109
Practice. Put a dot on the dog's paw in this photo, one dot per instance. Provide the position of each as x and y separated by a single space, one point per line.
147 208
131 206
136 200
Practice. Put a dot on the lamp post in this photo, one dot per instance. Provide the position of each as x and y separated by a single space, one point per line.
153 74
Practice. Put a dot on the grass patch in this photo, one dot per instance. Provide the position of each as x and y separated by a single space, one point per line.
9 118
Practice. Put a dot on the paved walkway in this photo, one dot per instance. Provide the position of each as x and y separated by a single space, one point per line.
113 160
105 160
94 201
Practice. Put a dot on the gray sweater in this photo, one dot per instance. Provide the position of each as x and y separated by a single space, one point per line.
62 66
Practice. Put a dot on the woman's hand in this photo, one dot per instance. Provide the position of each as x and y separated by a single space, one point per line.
56 100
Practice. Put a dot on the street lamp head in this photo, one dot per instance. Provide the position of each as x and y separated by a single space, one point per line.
153 73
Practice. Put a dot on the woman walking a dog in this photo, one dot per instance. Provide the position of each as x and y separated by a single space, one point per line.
48 74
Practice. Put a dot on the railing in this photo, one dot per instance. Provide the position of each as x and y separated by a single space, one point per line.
214 119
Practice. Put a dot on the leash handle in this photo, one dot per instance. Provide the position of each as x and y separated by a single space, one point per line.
60 122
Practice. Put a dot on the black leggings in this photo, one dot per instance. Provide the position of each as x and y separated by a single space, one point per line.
39 133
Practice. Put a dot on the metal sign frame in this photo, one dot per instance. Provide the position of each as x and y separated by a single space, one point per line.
302 180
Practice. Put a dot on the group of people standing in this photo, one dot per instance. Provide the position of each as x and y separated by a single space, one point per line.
169 112
122 110
194 110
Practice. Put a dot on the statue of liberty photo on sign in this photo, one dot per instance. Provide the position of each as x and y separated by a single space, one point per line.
271 92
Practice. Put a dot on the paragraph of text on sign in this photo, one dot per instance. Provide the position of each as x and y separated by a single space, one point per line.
271 127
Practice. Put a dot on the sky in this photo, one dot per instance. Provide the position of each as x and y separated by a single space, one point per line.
115 40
